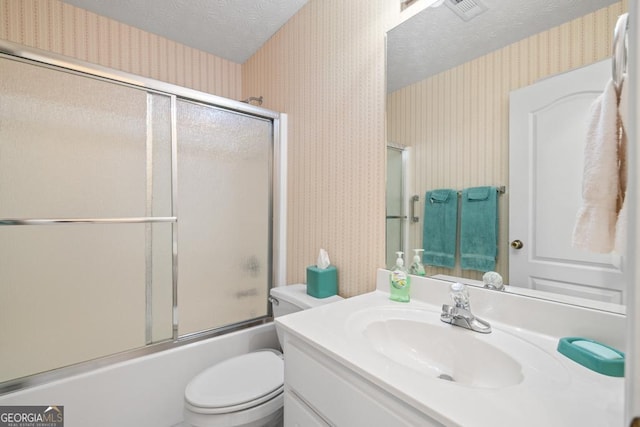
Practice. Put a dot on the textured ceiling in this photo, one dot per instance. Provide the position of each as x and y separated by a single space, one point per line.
231 29
436 39
432 41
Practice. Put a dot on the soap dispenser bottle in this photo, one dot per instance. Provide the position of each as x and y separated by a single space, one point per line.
417 268
400 281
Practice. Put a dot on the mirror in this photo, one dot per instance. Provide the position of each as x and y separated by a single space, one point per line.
449 82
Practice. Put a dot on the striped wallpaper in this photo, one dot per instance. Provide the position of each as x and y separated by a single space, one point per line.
458 121
325 68
64 29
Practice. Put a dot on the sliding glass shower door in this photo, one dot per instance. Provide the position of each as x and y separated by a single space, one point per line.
224 216
75 178
129 216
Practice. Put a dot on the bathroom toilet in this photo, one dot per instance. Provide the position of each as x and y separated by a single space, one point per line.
247 390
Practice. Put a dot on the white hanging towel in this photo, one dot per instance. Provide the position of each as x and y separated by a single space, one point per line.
595 226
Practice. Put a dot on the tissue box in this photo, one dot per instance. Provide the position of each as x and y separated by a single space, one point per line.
322 283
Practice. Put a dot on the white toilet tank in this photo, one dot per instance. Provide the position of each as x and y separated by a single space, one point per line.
293 298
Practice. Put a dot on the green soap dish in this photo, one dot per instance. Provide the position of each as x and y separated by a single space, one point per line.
593 355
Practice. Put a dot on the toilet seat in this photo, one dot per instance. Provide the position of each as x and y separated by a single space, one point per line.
237 383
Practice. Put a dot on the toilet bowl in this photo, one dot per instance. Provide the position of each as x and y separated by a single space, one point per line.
247 390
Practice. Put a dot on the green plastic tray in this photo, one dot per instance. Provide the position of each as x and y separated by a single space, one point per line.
593 355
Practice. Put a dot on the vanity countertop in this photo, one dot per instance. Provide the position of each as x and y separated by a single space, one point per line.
566 395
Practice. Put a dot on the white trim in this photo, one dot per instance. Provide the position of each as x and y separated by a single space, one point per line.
280 204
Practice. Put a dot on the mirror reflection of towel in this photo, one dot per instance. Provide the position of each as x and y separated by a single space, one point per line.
440 228
479 229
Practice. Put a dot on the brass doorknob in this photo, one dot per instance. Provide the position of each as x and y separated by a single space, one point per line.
517 244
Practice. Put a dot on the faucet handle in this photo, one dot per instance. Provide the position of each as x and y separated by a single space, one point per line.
460 295
493 280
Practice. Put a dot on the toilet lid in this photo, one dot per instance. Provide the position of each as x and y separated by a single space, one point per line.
238 382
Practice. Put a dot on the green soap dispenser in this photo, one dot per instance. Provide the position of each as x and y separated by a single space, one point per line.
417 268
400 281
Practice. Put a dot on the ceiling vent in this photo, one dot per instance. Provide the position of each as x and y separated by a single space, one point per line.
466 9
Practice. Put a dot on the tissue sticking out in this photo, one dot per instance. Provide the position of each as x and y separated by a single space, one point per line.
323 260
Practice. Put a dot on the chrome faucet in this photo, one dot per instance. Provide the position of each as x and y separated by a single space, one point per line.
460 313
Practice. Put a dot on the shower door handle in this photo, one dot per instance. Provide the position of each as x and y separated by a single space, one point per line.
414 199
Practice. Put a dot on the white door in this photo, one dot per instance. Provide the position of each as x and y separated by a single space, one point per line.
547 129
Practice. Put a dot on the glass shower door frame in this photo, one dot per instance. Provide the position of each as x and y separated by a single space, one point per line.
277 200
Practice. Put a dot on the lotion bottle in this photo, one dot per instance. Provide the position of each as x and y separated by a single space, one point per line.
400 281
417 268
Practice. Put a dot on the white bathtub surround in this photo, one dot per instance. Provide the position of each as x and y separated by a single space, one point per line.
143 392
549 389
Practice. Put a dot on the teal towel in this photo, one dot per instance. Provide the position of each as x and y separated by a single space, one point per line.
479 229
439 232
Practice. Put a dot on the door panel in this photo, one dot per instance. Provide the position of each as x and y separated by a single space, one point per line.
550 119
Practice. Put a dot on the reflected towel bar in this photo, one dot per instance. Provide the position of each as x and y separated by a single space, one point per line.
501 190
58 221
620 47
414 217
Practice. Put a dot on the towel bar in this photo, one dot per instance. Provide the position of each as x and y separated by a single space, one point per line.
620 40
58 221
501 190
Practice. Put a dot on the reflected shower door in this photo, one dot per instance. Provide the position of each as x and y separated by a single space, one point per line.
395 213
224 199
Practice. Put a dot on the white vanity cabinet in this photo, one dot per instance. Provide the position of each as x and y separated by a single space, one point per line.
320 391
367 361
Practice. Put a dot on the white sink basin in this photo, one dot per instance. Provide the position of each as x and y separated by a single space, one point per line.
448 353
419 341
